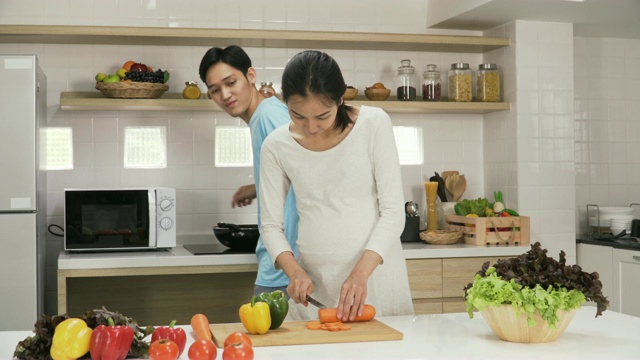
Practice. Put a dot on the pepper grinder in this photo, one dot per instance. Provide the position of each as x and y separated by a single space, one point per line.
431 188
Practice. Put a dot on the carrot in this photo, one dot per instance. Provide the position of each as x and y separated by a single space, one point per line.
314 325
200 327
329 315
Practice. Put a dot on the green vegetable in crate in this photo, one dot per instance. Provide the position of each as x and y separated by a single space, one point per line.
498 206
478 207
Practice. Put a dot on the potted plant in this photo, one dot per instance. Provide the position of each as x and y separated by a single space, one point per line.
532 297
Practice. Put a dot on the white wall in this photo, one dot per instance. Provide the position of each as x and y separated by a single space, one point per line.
452 142
607 122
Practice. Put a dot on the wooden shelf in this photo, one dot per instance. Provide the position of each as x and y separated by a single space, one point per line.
126 35
95 101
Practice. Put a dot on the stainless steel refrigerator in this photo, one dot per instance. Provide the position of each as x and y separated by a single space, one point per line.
23 94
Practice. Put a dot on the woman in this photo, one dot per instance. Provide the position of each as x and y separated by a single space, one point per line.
342 162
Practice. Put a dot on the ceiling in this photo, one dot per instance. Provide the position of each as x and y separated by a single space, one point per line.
591 18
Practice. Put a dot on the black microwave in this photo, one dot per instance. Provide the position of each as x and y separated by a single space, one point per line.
119 219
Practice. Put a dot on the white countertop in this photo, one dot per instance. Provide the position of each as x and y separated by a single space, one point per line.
453 336
179 256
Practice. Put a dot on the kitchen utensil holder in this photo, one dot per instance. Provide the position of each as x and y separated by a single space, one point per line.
411 232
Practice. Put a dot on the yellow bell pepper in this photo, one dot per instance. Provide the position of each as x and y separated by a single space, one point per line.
71 340
255 316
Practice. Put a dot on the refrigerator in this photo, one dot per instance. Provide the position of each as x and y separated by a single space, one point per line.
23 208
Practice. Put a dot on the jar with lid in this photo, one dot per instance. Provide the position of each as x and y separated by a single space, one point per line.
406 81
431 84
191 90
488 83
460 82
267 90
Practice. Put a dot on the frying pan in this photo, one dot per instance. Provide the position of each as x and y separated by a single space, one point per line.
237 237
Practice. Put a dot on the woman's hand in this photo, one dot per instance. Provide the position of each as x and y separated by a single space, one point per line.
300 284
353 293
244 196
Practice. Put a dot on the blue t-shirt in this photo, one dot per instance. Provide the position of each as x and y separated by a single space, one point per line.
271 114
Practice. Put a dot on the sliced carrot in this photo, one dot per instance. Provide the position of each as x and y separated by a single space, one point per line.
345 327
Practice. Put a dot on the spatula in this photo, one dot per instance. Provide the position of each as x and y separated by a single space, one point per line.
450 183
459 188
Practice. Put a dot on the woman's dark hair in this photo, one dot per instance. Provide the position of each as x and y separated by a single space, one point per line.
315 72
231 55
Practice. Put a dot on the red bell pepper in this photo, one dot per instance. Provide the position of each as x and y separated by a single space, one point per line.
111 342
177 335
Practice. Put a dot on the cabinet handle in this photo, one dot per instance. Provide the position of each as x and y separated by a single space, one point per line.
637 258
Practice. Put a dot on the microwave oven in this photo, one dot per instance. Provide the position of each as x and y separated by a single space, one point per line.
119 219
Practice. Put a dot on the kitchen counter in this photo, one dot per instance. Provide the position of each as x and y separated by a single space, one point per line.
453 336
179 256
623 243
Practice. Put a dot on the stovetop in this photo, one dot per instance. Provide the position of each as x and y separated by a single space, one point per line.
629 243
212 249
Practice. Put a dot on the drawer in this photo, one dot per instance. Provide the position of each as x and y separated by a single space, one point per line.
427 306
425 278
458 272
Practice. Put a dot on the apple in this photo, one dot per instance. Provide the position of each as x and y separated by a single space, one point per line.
121 73
139 67
100 76
113 78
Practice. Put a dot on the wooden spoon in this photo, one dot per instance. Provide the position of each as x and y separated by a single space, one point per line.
450 183
459 188
445 174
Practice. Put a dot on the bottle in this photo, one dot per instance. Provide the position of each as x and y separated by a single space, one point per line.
431 84
267 90
406 81
460 82
191 90
488 83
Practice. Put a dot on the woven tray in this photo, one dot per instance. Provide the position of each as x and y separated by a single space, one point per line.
132 90
440 237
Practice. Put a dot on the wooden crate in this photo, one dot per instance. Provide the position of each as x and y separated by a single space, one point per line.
491 230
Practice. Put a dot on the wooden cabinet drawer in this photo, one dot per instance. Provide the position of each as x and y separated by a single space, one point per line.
458 272
454 307
425 278
427 306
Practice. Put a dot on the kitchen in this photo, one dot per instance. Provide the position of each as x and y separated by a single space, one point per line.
557 106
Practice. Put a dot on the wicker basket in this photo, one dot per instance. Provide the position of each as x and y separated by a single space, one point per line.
377 94
440 237
132 89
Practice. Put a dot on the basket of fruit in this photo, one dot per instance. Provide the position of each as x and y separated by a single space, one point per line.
377 92
133 81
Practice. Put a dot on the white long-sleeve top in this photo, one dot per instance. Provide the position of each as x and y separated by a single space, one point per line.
349 199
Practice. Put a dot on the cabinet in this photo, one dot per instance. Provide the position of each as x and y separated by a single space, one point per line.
437 284
595 258
626 281
123 35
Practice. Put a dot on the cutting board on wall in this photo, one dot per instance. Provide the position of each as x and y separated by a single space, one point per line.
296 333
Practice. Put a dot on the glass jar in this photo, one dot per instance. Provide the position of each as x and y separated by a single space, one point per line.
431 84
406 81
460 82
488 83
191 90
267 90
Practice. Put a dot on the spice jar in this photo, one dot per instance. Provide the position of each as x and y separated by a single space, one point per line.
406 81
460 83
488 83
191 90
267 90
431 84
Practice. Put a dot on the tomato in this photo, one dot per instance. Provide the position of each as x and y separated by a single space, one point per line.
238 338
163 349
202 350
238 352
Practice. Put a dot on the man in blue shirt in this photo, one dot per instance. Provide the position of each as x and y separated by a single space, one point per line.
231 83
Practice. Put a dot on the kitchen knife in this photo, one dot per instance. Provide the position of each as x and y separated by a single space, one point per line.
315 302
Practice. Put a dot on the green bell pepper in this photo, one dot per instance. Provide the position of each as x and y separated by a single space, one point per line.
278 306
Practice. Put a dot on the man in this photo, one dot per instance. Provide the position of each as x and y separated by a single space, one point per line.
230 82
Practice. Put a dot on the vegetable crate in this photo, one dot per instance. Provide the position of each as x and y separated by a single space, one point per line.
491 230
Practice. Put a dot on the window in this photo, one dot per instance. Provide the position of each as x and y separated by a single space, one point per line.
145 147
59 148
409 144
233 146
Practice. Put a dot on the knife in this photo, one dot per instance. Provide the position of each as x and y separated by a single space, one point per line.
315 302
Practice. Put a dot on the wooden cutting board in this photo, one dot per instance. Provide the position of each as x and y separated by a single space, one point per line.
296 333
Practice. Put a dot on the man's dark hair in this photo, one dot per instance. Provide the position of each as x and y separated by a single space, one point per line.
231 55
